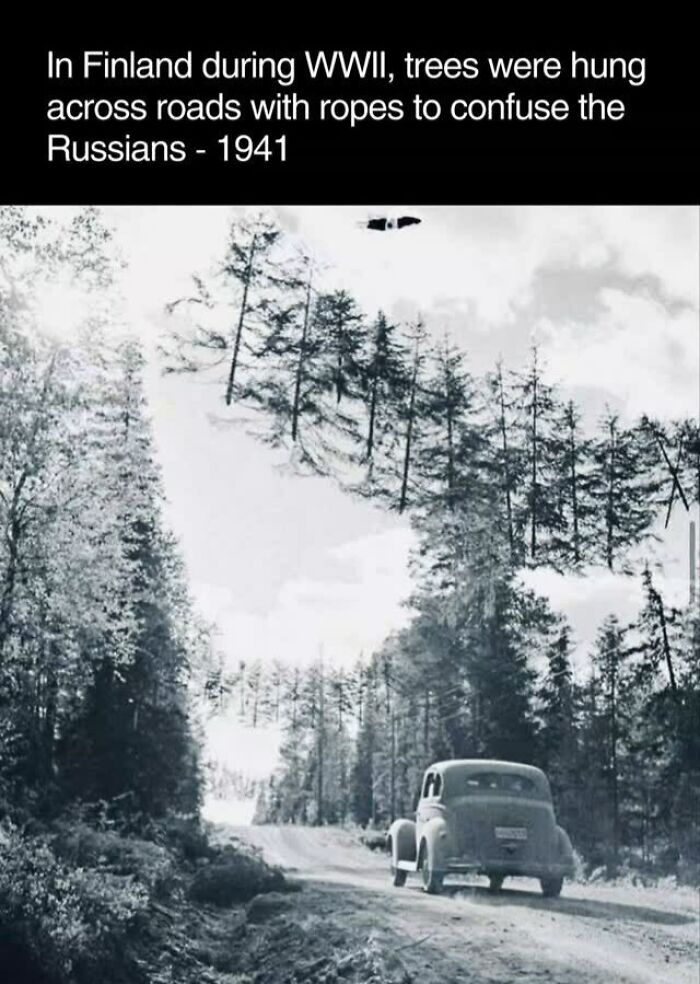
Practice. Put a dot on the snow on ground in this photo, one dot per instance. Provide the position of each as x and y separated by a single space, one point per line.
238 812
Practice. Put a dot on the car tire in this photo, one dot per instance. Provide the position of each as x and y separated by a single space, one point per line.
398 877
432 878
551 887
495 883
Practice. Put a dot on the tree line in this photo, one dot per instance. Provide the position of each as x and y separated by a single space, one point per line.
489 674
98 642
400 418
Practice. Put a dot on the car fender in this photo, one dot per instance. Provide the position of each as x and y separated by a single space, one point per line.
401 840
436 835
564 847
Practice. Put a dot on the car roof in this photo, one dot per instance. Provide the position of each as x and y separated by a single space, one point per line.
481 765
454 770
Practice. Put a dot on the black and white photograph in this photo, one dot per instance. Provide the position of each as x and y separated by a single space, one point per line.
349 594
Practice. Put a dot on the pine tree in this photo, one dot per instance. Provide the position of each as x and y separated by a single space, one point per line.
683 764
410 411
624 490
509 459
451 455
673 458
294 387
231 307
608 657
362 781
541 518
454 467
497 653
572 537
659 628
341 323
384 380
132 726
558 738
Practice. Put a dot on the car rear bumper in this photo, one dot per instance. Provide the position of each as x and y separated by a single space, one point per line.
502 866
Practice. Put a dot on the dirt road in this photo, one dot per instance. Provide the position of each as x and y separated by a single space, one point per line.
592 934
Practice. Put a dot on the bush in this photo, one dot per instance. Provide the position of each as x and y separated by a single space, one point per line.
235 876
84 847
185 835
69 922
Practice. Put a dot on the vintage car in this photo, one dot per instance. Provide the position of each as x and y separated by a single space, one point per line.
484 816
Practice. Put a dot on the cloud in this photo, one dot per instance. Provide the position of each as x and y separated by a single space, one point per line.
226 736
586 599
644 355
340 617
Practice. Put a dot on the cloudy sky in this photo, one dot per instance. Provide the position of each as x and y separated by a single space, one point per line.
286 565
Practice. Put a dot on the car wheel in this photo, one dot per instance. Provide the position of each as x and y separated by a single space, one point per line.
432 879
551 887
398 877
495 883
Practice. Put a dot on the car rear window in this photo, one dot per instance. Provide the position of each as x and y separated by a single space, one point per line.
500 782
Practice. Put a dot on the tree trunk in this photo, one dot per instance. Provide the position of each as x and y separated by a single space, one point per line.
321 738
409 437
426 726
614 784
295 699
610 507
50 719
15 529
242 686
393 765
241 318
9 582
339 364
533 490
372 416
300 362
256 693
506 469
666 644
450 476
574 487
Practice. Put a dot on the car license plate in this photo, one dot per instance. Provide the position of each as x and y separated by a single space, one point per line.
511 833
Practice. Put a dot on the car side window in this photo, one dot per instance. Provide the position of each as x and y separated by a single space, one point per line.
428 786
437 784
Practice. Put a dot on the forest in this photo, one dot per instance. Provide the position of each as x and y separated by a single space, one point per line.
499 473
96 629
107 673
104 859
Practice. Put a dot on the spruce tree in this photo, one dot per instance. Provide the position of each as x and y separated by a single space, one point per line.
625 491
541 518
131 738
572 539
384 382
608 658
558 733
229 308
508 460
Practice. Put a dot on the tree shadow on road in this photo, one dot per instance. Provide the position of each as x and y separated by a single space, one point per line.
481 895
588 908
